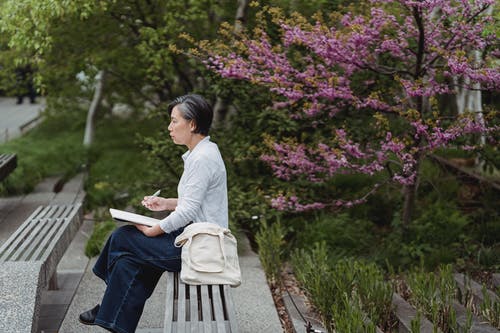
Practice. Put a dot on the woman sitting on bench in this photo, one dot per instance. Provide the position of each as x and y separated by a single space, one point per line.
134 257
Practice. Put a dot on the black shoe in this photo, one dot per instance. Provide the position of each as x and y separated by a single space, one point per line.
88 317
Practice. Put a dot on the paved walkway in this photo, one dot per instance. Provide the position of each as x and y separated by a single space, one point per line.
17 118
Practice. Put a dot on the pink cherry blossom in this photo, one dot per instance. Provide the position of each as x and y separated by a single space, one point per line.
420 50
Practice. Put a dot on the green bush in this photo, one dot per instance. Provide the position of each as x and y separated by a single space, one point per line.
313 272
348 316
433 295
343 293
439 224
436 185
270 240
54 148
490 309
99 236
436 237
343 235
118 166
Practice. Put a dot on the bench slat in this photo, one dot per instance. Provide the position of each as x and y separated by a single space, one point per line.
169 310
218 309
230 308
40 234
19 235
36 238
57 230
204 308
181 307
8 163
34 235
71 214
193 312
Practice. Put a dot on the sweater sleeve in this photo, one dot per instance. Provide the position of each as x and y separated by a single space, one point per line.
194 189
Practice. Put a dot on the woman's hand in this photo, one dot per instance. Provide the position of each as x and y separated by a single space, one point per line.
158 203
150 231
153 203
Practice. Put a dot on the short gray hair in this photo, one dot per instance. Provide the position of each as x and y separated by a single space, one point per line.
194 107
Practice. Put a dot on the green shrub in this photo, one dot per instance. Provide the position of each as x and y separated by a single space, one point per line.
436 185
348 316
438 235
343 235
270 240
53 148
490 309
118 165
440 225
433 295
99 236
313 272
348 287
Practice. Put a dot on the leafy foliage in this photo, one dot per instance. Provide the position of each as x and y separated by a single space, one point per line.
433 295
51 149
343 235
347 287
437 236
133 41
381 67
270 240
98 237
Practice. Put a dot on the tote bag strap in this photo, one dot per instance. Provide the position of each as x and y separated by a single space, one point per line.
200 268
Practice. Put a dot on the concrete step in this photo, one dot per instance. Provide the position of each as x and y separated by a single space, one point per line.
47 185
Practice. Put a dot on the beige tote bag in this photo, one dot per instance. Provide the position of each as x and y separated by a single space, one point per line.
209 255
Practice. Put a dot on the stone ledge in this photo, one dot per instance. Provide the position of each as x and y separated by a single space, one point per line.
18 292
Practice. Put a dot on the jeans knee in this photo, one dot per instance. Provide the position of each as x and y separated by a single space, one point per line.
122 234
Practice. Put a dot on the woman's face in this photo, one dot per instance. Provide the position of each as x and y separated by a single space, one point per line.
180 128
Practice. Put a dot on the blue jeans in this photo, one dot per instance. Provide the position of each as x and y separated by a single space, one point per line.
131 265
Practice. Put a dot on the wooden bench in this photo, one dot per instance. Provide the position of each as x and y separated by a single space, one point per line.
205 308
28 262
8 162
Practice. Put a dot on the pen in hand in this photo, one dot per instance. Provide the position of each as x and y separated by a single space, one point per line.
146 201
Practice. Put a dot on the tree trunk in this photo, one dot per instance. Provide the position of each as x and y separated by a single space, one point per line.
475 100
220 112
471 99
409 204
410 195
94 106
220 107
240 16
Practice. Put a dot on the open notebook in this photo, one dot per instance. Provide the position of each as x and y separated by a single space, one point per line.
124 216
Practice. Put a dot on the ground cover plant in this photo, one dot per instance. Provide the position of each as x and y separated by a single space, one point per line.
488 308
433 295
51 149
346 292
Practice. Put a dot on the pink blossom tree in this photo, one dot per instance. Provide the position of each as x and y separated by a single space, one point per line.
404 54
